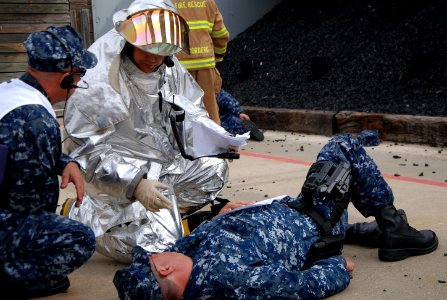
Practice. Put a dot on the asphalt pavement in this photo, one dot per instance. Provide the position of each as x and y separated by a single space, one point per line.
278 166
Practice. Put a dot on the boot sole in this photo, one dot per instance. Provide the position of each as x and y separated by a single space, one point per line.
400 254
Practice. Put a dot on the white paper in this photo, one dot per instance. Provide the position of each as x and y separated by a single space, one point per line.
211 140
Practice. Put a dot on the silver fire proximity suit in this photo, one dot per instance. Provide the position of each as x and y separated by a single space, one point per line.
119 131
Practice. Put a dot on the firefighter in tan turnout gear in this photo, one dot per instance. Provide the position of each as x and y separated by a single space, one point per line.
208 38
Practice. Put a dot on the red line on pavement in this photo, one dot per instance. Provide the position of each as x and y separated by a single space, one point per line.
415 180
283 159
305 163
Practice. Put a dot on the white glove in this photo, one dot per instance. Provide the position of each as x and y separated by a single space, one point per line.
148 194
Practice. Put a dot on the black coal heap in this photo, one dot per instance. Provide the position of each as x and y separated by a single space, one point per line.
385 56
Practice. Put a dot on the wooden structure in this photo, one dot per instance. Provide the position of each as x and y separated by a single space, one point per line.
18 18
398 128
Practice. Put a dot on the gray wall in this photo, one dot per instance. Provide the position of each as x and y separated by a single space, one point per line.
238 14
241 14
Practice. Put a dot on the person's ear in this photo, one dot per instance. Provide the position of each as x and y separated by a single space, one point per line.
66 81
166 270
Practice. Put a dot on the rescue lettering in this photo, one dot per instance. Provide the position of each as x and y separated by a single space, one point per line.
198 50
196 4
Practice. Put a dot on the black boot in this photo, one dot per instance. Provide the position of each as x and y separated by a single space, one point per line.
255 133
365 233
397 240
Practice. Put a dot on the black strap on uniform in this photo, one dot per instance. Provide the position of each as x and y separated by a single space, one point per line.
180 118
325 179
160 101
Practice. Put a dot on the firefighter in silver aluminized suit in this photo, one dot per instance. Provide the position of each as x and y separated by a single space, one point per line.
120 132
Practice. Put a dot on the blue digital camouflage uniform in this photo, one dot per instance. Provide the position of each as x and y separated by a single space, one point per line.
258 252
229 111
38 248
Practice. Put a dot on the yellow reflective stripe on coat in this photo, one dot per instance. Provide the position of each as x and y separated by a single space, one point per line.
200 24
220 33
200 63
221 51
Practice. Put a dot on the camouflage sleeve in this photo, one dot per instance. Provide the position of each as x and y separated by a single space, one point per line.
325 278
35 145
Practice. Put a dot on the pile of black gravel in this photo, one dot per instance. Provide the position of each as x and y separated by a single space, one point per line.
387 56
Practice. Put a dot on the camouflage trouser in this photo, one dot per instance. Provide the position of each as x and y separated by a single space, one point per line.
229 109
38 250
370 190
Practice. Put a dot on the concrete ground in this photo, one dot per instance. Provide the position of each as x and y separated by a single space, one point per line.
278 165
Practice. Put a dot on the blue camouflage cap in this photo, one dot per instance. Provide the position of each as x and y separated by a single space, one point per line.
58 48
137 280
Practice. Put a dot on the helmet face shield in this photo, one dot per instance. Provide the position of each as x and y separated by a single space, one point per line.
160 32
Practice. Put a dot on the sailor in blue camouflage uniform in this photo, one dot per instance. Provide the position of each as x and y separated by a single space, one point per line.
233 119
39 248
230 110
259 251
